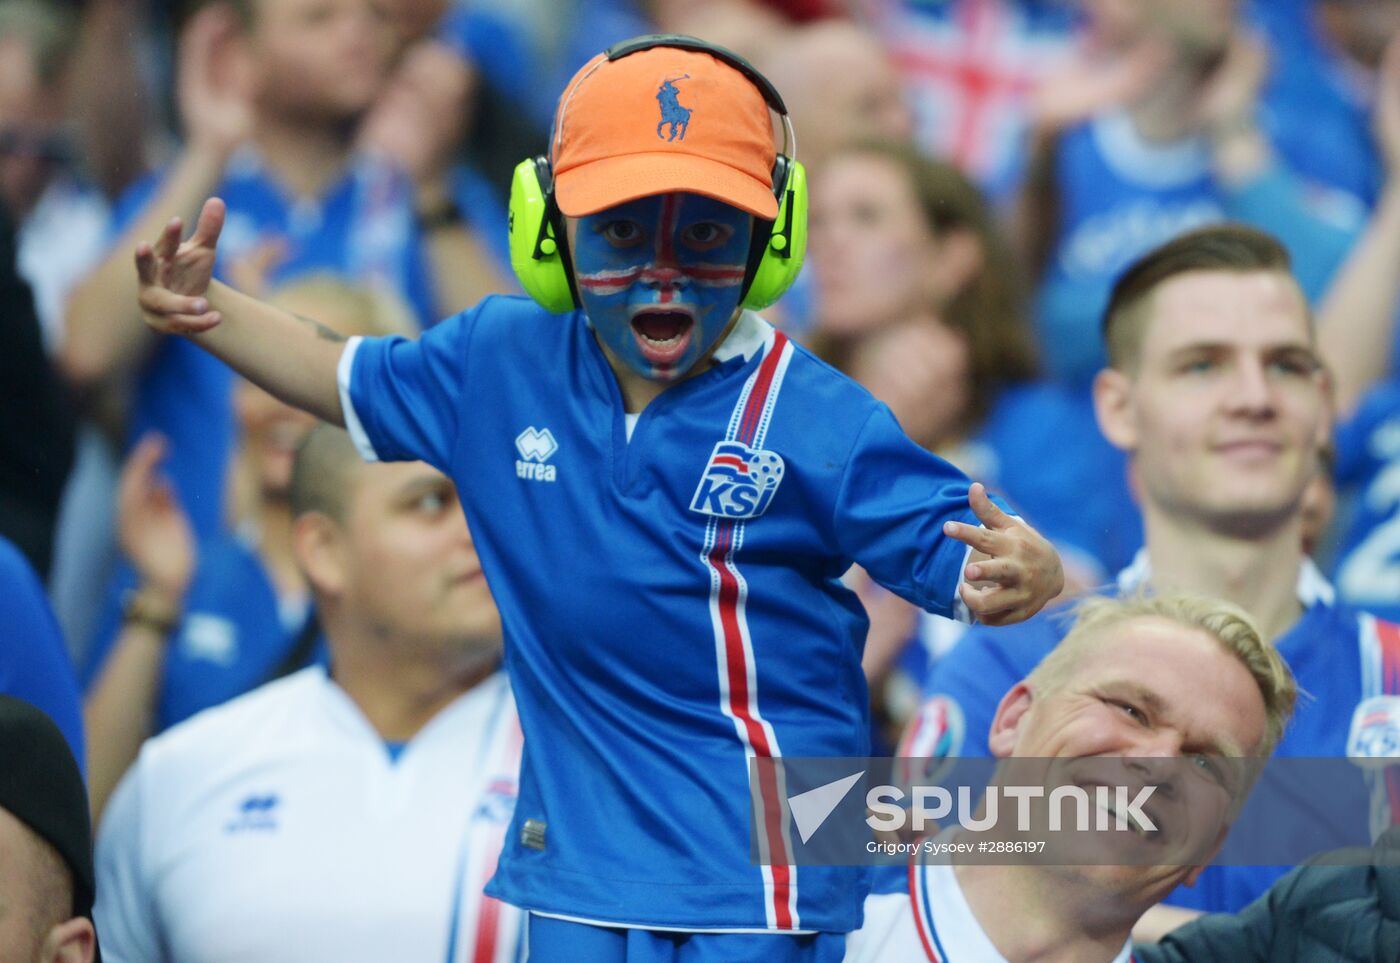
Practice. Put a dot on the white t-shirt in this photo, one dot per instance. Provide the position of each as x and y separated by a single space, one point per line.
945 931
277 828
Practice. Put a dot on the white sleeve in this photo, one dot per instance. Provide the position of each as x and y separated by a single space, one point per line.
347 405
128 928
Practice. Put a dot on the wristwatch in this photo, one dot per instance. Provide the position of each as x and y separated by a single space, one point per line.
143 607
443 214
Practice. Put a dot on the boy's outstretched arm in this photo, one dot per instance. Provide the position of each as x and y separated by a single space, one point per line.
292 357
1013 570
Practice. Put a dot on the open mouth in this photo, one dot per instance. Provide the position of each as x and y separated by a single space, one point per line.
663 335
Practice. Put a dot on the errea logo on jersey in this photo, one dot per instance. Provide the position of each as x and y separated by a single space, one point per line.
738 482
257 813
535 448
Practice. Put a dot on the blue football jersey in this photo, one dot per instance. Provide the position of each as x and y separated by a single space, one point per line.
233 637
34 663
362 228
1368 471
1338 656
671 603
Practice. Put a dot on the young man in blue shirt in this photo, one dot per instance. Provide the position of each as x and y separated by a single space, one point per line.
665 492
1215 392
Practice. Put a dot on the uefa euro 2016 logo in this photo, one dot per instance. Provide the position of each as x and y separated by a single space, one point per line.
738 482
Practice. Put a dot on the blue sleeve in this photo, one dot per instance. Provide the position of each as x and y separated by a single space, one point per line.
890 510
34 662
405 396
1277 201
985 664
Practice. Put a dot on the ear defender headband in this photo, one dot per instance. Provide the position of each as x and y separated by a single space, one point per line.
537 240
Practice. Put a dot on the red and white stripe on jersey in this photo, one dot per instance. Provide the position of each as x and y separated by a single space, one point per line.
1380 657
918 899
1380 676
734 653
485 941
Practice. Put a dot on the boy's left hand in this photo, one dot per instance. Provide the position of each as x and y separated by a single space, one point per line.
1013 570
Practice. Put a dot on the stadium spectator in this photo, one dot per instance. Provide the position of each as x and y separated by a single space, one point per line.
46 875
270 95
841 87
1216 394
538 432
1322 87
201 623
1357 334
34 663
420 122
921 301
345 814
1146 679
110 91
1161 138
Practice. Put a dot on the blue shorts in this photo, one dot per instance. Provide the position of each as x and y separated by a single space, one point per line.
549 940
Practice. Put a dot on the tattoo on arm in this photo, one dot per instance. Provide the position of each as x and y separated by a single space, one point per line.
323 332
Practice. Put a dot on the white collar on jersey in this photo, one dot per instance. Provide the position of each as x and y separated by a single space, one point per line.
1313 587
1142 162
750 336
961 936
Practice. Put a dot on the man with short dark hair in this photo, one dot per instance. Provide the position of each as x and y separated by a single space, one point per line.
1216 394
46 878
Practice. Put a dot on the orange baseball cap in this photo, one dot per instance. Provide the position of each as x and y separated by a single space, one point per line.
660 120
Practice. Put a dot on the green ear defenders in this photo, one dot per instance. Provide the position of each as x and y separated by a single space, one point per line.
538 246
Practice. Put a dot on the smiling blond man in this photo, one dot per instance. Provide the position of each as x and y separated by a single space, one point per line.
1169 692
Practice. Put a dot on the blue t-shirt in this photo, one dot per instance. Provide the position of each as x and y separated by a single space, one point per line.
671 603
34 664
1120 196
1331 650
362 228
1368 472
232 638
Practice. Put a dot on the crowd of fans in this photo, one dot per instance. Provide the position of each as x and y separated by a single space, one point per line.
982 172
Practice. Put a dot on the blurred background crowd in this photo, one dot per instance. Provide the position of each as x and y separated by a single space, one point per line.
981 171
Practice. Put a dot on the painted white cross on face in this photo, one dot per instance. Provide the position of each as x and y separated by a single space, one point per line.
661 277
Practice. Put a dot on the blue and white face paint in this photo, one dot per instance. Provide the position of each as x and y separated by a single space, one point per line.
660 278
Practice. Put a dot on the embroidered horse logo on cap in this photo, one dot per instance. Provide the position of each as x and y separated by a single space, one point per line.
668 95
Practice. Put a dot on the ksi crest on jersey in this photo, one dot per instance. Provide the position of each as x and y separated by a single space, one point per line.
738 482
1374 741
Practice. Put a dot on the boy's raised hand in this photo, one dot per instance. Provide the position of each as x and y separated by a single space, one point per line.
1013 570
173 277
